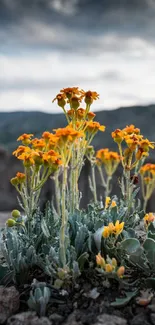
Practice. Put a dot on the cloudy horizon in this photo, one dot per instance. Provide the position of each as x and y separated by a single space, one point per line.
103 45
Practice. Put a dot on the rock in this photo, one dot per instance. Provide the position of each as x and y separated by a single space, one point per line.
106 319
152 317
72 319
56 318
139 320
28 318
9 302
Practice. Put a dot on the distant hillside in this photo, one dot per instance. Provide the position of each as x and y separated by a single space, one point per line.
15 123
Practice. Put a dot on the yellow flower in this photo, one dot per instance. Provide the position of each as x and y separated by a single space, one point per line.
114 262
107 202
118 227
148 218
106 232
113 204
100 261
108 268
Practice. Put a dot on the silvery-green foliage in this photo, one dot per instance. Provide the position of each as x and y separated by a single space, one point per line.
20 255
142 256
39 297
23 250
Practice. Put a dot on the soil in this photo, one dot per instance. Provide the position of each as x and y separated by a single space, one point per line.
87 302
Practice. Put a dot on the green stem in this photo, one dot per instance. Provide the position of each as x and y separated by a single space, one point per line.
107 189
101 175
94 182
145 204
57 192
64 220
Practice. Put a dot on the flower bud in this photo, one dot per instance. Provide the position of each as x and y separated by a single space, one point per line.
16 214
108 268
11 223
14 181
121 271
114 262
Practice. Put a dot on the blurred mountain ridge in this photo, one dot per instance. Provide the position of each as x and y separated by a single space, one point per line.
14 124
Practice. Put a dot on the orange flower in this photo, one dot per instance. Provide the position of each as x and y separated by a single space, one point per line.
27 158
93 127
51 158
80 113
90 116
75 102
46 136
148 218
25 138
146 144
21 177
18 179
60 100
38 144
67 134
20 150
90 96
131 129
70 91
118 136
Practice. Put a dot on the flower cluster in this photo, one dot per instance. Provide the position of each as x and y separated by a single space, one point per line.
148 218
113 229
109 159
147 173
110 265
136 145
108 201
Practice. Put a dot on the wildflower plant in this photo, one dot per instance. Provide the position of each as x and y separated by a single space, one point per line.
64 240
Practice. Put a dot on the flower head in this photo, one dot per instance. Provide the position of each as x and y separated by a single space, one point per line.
118 135
25 138
100 261
90 96
148 218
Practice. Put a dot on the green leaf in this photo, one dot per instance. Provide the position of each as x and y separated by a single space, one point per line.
149 244
45 228
130 245
120 302
150 234
149 247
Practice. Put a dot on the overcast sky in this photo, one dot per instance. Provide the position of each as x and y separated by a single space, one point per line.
102 45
